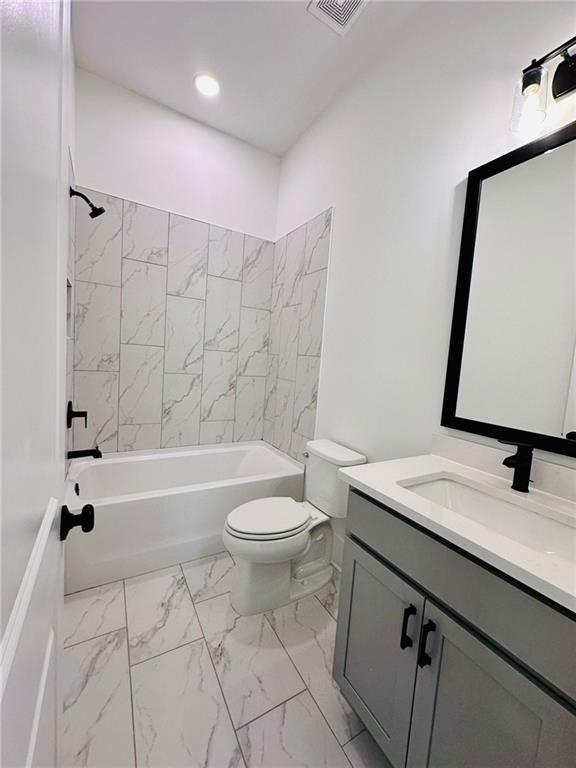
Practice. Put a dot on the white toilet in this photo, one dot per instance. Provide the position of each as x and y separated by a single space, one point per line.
283 547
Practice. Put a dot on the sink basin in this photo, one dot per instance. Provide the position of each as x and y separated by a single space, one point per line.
544 528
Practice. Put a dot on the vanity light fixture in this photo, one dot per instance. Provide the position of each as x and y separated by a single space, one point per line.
207 85
531 92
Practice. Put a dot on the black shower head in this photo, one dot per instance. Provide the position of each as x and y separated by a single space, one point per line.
95 211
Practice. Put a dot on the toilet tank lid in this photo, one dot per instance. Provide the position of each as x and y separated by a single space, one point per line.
334 453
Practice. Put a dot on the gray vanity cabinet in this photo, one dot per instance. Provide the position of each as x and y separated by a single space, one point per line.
379 663
472 708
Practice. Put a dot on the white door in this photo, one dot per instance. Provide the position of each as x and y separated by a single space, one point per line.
34 209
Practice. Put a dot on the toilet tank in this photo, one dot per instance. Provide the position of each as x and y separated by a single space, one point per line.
324 489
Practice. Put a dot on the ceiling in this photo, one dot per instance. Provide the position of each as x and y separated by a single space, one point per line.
278 66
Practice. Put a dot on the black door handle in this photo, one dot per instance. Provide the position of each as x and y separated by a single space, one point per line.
405 640
84 519
424 659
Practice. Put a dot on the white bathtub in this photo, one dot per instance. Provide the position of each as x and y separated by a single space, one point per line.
157 508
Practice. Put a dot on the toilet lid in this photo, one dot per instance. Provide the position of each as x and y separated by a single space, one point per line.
266 517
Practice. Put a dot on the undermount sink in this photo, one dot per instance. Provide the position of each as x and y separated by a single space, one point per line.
550 529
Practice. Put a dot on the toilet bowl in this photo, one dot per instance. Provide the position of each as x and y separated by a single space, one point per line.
282 547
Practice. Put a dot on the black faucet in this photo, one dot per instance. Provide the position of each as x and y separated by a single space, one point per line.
95 453
521 463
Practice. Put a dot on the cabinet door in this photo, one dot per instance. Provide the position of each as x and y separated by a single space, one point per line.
473 709
377 639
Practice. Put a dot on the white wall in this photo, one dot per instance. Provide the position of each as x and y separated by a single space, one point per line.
392 155
132 147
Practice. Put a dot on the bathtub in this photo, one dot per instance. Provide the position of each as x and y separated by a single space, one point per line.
157 508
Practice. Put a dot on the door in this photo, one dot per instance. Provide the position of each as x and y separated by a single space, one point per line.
376 647
474 709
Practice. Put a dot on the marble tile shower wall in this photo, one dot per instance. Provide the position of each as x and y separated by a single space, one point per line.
173 323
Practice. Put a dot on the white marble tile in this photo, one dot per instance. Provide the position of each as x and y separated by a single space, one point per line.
96 392
306 395
99 241
318 242
97 717
294 734
298 446
93 612
257 273
219 386
213 432
180 717
187 257
275 318
222 314
279 262
270 407
307 632
209 576
160 613
330 594
225 253
184 335
140 384
292 284
363 752
253 349
138 437
289 326
181 410
143 303
253 668
312 313
248 424
284 410
268 431
145 233
97 327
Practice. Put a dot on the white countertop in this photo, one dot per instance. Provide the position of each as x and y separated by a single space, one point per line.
525 558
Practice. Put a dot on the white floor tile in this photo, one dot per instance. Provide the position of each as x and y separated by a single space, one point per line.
330 594
293 734
160 613
308 632
179 713
254 670
363 752
93 612
209 576
97 717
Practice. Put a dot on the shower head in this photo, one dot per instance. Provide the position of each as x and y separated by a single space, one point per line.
95 211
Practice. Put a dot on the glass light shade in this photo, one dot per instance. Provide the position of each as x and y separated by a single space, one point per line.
529 107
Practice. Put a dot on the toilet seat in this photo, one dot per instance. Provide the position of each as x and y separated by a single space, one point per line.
268 519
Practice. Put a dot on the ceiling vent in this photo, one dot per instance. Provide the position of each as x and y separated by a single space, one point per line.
339 15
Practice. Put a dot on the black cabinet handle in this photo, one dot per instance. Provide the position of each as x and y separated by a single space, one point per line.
84 519
405 640
424 659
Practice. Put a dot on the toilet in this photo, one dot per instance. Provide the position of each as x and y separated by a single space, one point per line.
282 547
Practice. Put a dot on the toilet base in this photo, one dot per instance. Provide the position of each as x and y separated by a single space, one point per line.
260 587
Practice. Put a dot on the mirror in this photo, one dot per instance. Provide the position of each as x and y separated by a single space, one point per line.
512 362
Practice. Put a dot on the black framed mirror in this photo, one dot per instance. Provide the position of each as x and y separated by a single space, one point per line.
511 371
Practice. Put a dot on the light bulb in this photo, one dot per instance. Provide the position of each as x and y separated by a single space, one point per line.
207 85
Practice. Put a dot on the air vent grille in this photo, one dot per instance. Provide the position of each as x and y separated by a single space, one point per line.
339 15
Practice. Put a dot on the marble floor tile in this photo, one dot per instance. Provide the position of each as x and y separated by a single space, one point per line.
187 257
330 594
307 631
294 734
209 576
254 670
160 613
225 253
93 612
97 715
180 718
363 752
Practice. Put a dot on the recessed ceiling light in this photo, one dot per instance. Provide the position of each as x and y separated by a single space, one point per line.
207 85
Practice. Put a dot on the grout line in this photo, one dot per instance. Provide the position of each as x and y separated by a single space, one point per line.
276 706
94 637
165 333
130 674
96 586
168 650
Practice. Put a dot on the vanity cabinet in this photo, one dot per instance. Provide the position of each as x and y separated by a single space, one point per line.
431 686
